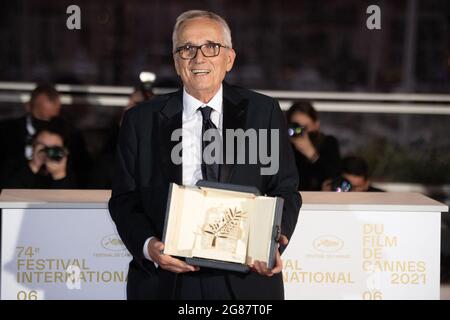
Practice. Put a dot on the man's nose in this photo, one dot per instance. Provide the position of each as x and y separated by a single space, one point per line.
199 58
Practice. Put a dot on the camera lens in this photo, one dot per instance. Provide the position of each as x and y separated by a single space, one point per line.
295 130
55 153
291 132
341 184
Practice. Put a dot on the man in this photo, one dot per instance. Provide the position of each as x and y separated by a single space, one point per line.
16 135
354 177
202 55
356 171
316 154
47 168
103 167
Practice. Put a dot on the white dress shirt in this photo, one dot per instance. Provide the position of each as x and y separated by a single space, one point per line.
192 138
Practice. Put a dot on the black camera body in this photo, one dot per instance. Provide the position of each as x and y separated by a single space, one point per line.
55 153
295 130
146 90
340 184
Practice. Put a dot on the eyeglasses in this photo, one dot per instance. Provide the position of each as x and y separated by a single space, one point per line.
189 51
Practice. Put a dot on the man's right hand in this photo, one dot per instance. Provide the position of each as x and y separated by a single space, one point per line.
169 263
38 159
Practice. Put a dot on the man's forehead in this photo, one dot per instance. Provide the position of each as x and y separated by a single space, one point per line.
200 30
50 142
45 98
48 137
357 180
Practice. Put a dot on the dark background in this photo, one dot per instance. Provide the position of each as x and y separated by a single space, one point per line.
297 45
289 45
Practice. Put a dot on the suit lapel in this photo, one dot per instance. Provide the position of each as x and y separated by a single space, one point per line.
171 116
234 117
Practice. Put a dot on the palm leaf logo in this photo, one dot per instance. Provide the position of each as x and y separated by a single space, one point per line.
227 226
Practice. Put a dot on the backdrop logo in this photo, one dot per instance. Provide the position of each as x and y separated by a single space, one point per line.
113 242
328 243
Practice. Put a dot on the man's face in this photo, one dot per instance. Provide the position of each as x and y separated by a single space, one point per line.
304 120
45 109
359 183
46 139
203 76
49 139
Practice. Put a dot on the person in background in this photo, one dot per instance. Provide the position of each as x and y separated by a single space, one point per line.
48 167
102 170
16 135
316 154
355 174
135 98
356 171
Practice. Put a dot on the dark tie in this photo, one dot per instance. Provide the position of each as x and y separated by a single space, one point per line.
210 172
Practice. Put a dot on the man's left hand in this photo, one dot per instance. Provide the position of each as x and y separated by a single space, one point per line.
57 169
261 267
304 145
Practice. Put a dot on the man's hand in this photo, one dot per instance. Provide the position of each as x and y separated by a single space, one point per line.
166 262
261 267
304 145
57 169
38 159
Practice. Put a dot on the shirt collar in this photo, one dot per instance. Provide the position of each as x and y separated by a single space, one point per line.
191 104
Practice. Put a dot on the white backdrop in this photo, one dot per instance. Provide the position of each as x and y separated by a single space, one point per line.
364 255
76 254
38 246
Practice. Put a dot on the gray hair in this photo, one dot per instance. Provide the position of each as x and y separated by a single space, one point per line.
192 14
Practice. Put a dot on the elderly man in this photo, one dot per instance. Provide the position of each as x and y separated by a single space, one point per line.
202 54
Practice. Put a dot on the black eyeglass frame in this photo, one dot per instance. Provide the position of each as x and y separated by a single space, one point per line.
179 49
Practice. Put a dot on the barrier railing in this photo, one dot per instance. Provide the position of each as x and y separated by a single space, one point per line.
19 92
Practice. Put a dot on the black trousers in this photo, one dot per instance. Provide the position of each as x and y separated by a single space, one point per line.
209 285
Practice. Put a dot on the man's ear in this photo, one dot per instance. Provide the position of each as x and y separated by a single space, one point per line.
175 64
230 59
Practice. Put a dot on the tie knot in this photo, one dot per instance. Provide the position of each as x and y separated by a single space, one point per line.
206 113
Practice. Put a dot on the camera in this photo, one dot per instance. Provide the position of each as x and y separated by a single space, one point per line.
55 153
295 130
340 184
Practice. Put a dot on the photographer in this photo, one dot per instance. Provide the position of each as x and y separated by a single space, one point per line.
316 154
17 135
354 177
48 167
102 170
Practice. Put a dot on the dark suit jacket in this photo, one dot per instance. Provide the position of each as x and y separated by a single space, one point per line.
143 171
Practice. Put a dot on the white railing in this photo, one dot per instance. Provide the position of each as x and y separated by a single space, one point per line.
395 103
19 92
